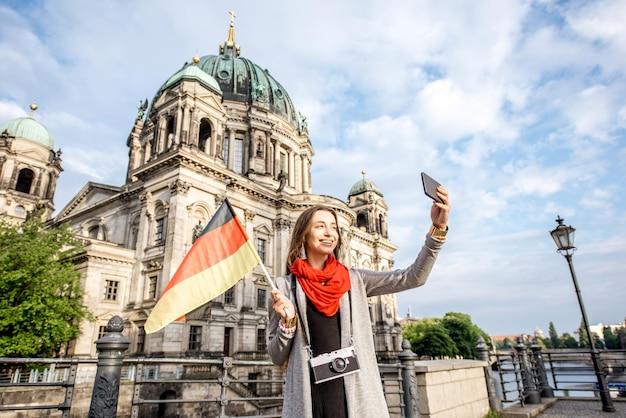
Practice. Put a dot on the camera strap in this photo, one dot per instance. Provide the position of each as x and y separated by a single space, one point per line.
294 279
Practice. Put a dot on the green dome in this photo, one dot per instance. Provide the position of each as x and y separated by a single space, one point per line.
191 71
363 186
29 128
240 80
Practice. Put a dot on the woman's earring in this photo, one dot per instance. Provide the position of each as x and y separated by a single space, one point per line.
303 252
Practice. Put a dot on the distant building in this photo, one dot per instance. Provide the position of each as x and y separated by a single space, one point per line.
29 168
599 329
219 127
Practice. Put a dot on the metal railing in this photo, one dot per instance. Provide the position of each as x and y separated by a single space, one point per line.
524 375
254 388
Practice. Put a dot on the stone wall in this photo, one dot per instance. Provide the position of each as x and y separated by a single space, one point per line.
451 388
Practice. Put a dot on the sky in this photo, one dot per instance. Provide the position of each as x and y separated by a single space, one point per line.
517 107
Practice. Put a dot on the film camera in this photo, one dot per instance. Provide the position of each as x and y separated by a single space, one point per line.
335 364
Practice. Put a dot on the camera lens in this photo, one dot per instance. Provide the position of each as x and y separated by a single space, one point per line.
339 364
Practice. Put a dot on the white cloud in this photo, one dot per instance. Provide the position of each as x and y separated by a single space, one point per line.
517 107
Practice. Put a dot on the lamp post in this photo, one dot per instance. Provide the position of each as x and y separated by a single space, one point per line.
564 238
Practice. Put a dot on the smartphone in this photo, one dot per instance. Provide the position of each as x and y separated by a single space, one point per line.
430 187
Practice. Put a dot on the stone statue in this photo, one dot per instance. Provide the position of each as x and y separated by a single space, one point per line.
282 180
303 122
197 231
141 110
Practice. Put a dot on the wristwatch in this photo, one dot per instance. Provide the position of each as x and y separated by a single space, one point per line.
438 233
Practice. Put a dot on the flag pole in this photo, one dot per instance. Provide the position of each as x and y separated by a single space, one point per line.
269 279
267 275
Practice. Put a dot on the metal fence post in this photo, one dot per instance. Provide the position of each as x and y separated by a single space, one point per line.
409 381
531 394
542 376
483 354
225 381
106 385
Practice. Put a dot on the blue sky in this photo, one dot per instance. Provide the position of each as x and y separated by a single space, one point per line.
517 107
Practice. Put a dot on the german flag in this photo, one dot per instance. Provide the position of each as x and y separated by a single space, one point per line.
218 259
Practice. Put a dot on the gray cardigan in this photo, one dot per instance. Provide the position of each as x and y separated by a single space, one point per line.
364 390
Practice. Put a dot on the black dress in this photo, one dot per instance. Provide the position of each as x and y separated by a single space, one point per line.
329 398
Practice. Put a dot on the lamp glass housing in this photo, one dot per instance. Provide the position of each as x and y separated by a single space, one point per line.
563 236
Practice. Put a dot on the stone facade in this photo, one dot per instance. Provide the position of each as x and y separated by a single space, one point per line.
29 169
219 128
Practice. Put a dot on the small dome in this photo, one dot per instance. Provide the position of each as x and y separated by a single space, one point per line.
28 128
363 186
191 71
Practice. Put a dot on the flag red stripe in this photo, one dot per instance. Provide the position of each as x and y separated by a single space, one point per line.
210 248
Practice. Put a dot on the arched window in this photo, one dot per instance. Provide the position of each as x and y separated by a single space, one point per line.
167 409
25 180
93 232
204 137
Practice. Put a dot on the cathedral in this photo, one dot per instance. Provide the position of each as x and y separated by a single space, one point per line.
220 127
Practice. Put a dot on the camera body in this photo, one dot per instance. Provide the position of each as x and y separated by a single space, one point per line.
335 364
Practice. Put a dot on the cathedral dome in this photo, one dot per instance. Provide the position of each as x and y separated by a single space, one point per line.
241 80
28 128
238 79
363 186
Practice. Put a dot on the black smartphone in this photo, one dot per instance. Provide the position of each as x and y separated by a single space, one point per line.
430 187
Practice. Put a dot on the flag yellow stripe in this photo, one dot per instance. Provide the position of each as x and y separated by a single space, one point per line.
200 288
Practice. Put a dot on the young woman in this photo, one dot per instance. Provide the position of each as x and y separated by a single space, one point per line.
320 312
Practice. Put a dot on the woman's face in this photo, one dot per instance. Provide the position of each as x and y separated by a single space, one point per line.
322 236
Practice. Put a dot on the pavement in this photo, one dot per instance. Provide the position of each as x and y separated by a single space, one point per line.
566 408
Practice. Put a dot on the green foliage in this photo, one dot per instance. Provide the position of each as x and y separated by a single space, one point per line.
493 414
554 336
463 332
567 341
505 344
611 340
40 292
430 338
450 336
583 338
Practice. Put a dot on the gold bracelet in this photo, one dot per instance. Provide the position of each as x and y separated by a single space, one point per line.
290 323
287 329
438 233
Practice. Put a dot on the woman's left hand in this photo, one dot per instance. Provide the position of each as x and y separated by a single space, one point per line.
439 211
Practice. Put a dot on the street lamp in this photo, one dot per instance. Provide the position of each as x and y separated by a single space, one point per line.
564 238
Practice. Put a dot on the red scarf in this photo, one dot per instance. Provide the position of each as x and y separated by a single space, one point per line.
323 287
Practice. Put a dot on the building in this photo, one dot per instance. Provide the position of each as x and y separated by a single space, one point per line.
29 168
220 127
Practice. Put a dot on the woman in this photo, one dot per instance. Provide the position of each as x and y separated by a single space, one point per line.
320 307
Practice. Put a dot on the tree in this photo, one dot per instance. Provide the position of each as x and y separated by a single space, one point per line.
452 335
40 291
554 336
463 332
567 341
611 340
429 338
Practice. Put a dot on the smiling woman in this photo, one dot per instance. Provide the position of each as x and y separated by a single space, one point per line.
320 327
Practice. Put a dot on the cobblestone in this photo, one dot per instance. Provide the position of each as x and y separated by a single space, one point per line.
565 408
